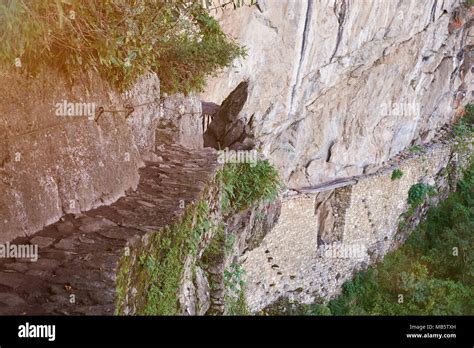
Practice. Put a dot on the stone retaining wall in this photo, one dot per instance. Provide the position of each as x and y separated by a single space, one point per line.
322 238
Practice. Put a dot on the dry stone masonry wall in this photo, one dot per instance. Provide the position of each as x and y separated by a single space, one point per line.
322 238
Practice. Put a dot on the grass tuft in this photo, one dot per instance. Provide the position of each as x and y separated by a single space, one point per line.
244 184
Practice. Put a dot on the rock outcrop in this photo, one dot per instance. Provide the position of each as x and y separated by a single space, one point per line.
227 130
338 86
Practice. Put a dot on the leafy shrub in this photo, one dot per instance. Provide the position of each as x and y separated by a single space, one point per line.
235 294
397 174
244 184
418 193
119 39
469 115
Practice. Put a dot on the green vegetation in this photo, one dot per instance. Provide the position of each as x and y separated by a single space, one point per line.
431 274
416 196
285 306
416 149
469 3
397 174
465 126
464 133
155 268
218 245
243 184
235 297
418 192
119 39
157 277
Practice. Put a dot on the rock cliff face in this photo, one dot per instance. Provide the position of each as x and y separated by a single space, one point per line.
330 91
53 164
339 86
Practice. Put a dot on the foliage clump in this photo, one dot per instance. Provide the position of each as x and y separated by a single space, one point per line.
246 183
119 39
416 149
397 174
465 125
158 273
235 295
418 192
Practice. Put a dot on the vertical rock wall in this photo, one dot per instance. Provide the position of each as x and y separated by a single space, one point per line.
51 165
337 86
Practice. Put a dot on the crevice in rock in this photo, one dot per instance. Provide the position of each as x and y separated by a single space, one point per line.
433 11
268 23
329 154
309 10
341 17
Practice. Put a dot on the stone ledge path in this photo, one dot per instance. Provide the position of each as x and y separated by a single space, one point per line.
78 255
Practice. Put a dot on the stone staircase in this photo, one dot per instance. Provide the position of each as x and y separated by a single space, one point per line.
77 257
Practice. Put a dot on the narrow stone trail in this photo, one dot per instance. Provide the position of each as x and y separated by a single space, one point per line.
76 267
